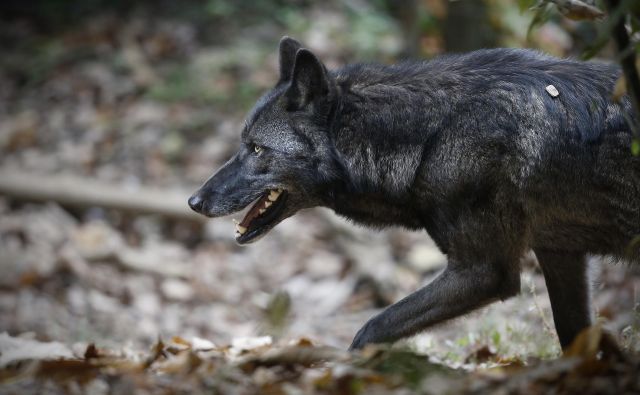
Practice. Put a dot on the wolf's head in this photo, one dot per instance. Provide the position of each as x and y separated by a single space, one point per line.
286 159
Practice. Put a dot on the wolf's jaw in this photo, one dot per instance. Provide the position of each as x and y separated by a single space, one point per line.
263 212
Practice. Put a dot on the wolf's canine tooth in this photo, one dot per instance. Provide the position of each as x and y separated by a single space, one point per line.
267 204
241 229
273 195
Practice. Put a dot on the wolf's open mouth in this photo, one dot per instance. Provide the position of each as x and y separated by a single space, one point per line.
263 212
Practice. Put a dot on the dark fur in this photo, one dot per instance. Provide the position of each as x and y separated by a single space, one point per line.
470 148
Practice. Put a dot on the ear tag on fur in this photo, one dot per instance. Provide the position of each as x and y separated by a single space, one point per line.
552 91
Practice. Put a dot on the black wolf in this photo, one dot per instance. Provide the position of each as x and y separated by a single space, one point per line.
477 149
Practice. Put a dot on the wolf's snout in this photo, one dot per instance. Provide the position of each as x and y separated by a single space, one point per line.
196 202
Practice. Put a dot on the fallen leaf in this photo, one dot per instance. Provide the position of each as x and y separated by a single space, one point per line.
578 10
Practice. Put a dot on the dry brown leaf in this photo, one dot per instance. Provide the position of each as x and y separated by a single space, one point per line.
292 356
78 370
620 89
592 342
303 342
578 10
480 355
91 352
157 352
586 344
184 363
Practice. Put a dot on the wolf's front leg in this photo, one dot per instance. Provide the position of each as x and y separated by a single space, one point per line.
462 287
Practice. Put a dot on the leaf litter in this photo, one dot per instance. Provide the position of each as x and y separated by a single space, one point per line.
592 365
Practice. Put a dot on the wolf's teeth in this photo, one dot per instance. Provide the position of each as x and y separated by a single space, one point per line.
279 190
262 210
273 195
267 204
240 229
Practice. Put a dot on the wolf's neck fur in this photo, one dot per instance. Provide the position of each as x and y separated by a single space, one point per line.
379 137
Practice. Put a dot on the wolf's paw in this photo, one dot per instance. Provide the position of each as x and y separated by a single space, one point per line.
368 334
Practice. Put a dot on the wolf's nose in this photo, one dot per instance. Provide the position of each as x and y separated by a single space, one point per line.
195 202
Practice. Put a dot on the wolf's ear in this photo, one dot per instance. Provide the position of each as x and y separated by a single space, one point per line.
309 80
288 49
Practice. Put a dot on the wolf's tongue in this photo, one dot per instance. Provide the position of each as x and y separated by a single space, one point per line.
254 211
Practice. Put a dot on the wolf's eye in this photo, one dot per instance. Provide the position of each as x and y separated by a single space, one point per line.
257 149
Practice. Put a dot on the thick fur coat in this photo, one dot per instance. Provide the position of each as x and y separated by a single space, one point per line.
472 148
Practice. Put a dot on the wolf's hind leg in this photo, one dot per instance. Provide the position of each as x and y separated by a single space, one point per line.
459 289
565 274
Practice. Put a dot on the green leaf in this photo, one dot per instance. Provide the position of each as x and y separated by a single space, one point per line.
635 147
496 338
525 5
278 309
411 367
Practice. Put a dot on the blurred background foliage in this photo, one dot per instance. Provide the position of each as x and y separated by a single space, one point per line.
239 35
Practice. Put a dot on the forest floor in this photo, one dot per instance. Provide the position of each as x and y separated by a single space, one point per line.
97 300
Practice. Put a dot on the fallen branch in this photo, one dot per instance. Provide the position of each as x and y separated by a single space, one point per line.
73 191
